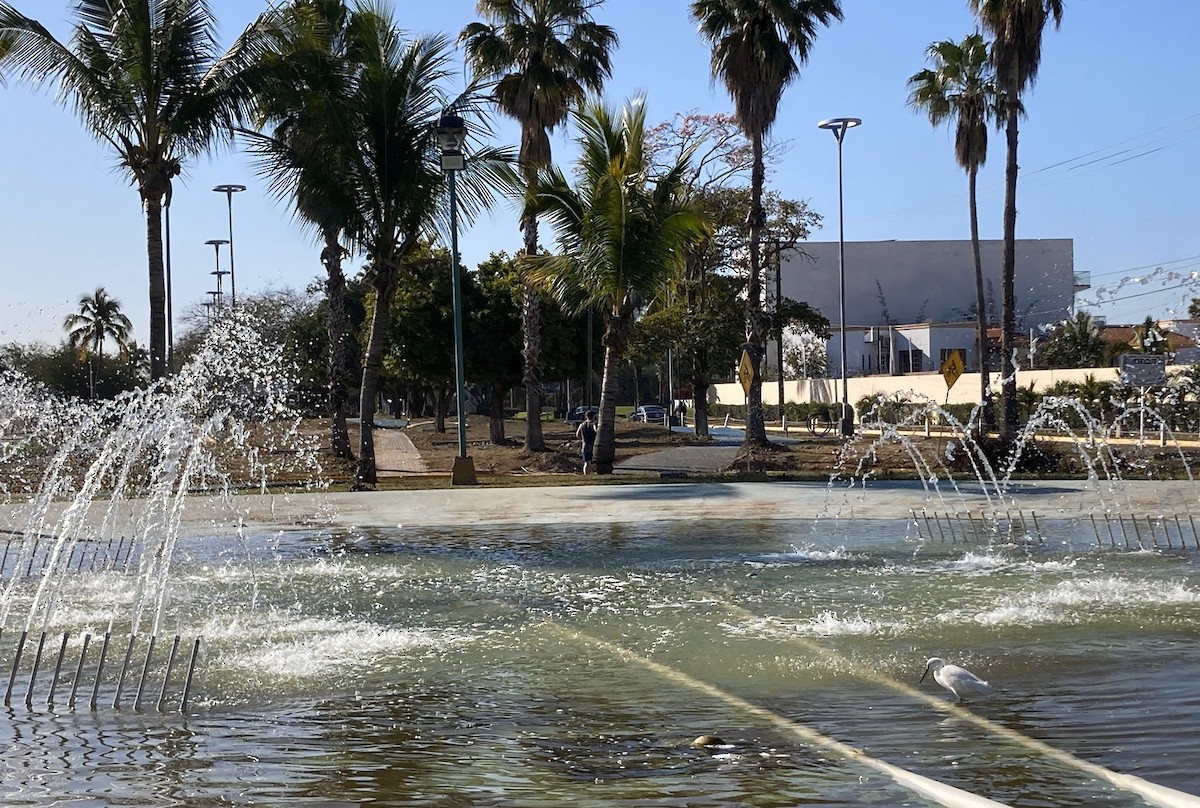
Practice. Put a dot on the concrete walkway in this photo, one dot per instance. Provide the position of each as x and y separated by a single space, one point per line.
395 454
590 504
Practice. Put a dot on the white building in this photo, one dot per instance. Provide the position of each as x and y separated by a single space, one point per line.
902 349
908 303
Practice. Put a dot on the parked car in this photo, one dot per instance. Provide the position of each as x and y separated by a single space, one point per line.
648 413
577 415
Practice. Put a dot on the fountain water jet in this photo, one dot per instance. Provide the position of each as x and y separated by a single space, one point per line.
119 473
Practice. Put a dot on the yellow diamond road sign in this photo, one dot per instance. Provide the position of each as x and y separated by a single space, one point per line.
952 368
746 372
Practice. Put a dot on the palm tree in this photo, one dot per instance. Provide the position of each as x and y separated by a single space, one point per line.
147 78
1016 27
369 130
622 235
546 56
291 102
1077 343
758 48
99 318
1150 338
961 87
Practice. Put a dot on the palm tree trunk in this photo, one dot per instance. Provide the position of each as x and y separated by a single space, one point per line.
385 290
158 287
987 418
339 347
531 348
606 444
756 430
1008 371
496 415
440 408
700 393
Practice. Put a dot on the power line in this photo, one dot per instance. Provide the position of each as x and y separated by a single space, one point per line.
1063 169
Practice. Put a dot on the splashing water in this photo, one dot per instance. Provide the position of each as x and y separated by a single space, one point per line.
107 481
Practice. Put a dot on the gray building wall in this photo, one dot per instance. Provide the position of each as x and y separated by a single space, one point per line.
902 282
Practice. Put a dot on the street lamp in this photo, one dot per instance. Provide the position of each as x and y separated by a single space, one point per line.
839 127
229 191
451 135
170 314
216 245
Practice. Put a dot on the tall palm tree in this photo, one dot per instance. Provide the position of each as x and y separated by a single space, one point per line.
291 99
99 319
758 48
1016 27
961 88
546 55
148 79
622 235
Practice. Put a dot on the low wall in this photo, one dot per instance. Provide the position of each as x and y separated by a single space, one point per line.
918 386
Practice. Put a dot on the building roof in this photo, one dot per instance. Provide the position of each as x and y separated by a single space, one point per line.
1127 335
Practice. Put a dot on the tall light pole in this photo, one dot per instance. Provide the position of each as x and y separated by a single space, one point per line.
170 314
451 135
219 293
229 190
839 127
778 244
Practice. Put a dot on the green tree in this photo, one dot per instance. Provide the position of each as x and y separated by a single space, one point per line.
719 168
545 55
758 47
621 232
1016 27
724 252
58 368
147 78
1075 343
960 88
1194 308
420 344
493 333
99 319
805 354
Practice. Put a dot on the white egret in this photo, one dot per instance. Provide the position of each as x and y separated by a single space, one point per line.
958 681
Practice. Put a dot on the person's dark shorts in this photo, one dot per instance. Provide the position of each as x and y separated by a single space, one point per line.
587 454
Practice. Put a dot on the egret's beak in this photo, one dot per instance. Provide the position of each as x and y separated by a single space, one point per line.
923 675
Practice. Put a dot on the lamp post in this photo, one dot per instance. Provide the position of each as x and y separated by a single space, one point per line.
216 245
170 315
451 135
778 244
839 127
229 190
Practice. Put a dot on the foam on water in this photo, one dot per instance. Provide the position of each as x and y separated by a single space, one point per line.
804 555
832 624
316 655
1079 601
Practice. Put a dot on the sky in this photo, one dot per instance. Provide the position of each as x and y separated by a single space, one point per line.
1109 155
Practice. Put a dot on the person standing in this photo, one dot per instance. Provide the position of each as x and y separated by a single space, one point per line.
587 433
681 411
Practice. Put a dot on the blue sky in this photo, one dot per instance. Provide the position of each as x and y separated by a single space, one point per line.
1110 157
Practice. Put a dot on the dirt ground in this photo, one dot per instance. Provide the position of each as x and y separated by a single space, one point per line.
562 455
810 457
